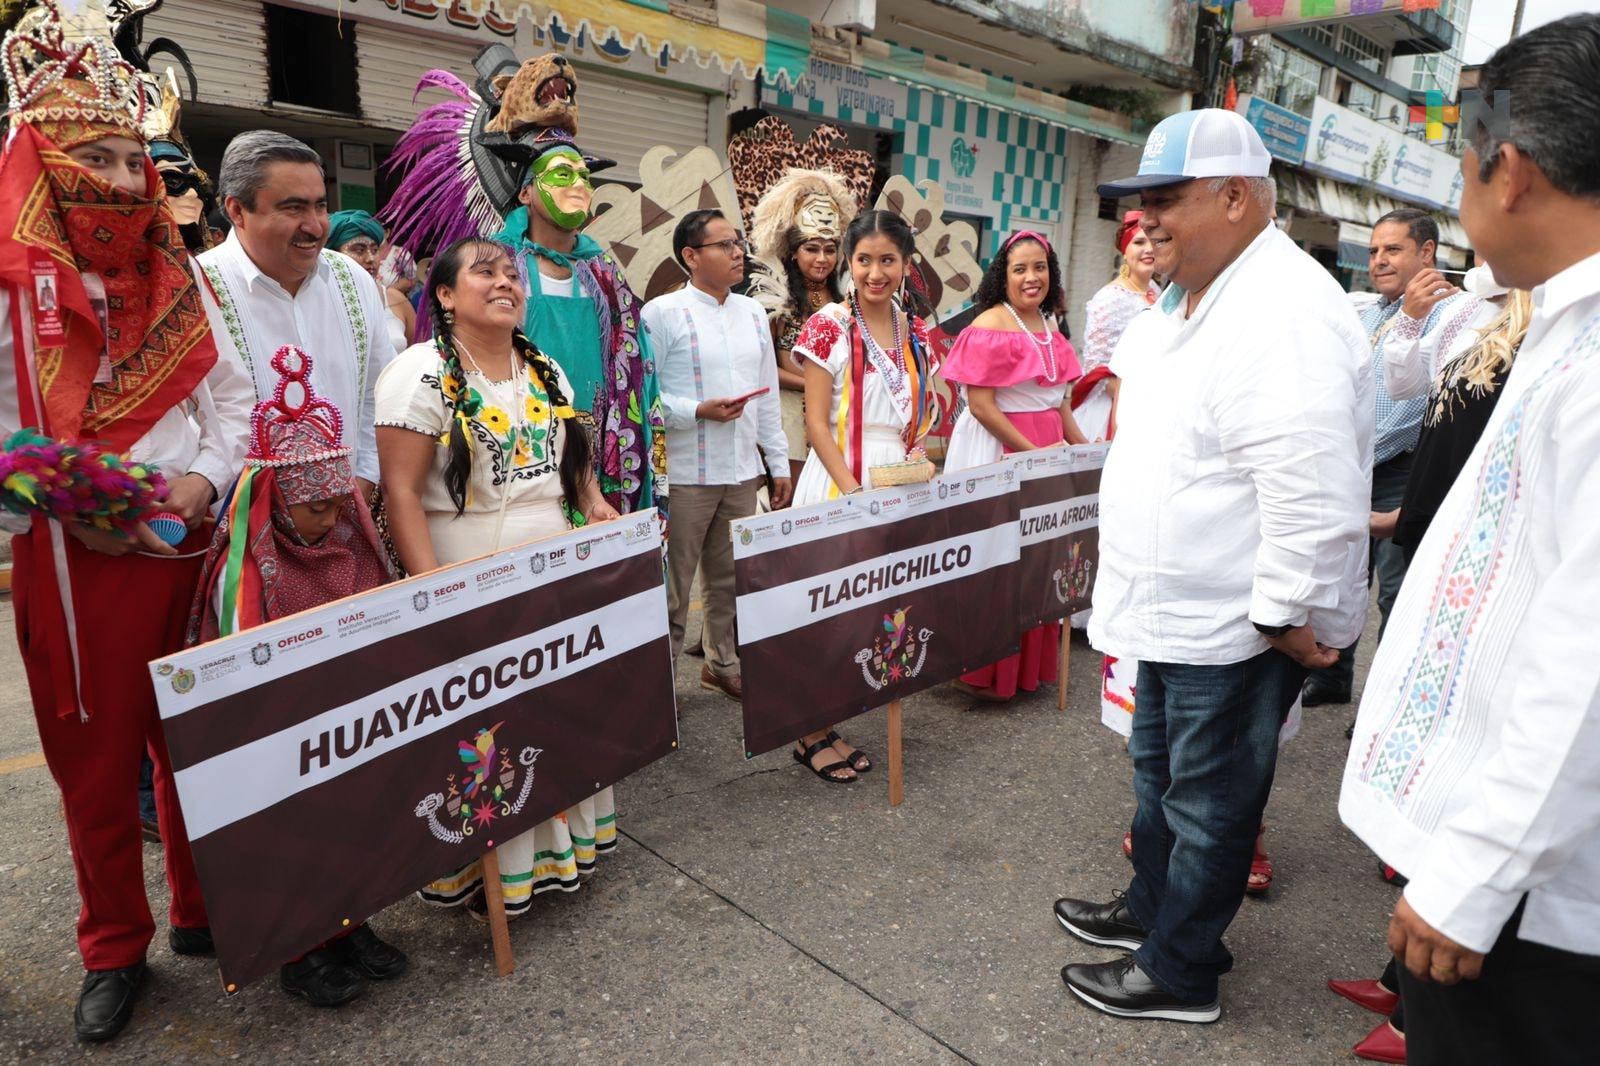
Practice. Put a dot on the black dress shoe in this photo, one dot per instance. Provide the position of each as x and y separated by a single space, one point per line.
150 829
322 979
1316 694
1121 989
1110 925
106 1002
191 941
363 952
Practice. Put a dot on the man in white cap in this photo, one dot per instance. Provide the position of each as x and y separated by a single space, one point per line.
1233 537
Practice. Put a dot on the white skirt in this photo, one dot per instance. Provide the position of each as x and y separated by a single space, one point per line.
1094 414
971 445
880 446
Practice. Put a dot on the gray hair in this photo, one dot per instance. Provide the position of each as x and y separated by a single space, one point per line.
245 162
1264 191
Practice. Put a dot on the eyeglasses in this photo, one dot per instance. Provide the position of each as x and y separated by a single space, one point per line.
731 245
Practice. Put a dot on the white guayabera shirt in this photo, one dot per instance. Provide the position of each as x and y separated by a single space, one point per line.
1475 764
337 317
1238 488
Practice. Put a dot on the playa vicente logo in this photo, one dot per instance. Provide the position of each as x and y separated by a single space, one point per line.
897 653
479 788
963 158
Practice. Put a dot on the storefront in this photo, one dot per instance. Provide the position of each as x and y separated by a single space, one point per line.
253 61
1339 172
999 170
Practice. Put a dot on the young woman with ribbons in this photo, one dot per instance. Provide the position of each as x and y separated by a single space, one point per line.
869 402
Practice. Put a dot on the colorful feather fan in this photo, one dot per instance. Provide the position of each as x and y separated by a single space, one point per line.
76 482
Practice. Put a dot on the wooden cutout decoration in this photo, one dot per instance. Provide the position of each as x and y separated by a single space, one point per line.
637 224
946 256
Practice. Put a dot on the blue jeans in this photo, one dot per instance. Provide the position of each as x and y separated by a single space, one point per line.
1204 747
147 789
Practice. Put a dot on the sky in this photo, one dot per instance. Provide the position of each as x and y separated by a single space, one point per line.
1489 25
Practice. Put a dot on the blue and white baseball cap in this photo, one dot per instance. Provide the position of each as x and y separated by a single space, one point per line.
1208 143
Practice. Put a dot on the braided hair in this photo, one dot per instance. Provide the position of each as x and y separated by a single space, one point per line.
576 448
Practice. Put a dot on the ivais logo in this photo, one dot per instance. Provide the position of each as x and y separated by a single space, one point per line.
351 619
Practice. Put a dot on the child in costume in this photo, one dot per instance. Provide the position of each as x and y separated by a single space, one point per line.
503 161
297 534
124 364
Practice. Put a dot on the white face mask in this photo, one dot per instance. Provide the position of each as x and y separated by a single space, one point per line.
1480 282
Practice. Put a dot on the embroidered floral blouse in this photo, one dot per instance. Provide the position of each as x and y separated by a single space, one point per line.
516 437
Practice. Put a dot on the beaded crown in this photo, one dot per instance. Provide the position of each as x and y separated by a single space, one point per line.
60 70
299 434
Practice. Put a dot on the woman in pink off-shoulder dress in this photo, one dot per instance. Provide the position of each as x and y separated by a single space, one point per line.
1014 371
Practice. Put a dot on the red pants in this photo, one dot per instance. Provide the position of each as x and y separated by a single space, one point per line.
131 609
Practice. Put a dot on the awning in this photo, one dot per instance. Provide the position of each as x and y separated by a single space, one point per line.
748 39
1353 245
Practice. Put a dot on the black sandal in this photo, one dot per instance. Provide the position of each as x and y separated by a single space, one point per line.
825 772
855 760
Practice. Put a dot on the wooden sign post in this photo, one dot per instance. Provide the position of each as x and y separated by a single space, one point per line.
897 770
1066 665
499 930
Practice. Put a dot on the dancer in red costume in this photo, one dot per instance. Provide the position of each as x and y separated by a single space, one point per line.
123 361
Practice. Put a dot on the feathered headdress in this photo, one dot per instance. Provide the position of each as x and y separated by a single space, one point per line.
464 158
803 205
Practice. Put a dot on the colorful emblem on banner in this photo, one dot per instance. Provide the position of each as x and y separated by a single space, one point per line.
183 682
896 654
1072 577
479 790
745 537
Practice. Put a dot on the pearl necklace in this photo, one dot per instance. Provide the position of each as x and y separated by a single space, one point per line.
1044 343
894 373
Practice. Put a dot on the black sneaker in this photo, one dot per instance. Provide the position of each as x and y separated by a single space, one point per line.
106 1002
363 952
322 979
1110 925
1122 990
191 941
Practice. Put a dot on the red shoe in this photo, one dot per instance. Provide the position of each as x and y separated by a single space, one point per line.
1368 995
1383 1044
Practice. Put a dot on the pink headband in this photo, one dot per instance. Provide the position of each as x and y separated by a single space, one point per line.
1025 234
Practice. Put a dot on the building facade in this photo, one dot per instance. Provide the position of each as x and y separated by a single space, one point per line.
1336 102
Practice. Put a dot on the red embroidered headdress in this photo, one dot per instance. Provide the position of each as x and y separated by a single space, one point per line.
300 435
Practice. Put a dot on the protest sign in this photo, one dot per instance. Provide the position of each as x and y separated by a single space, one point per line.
852 604
332 761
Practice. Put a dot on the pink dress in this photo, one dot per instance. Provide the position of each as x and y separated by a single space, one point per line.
1029 390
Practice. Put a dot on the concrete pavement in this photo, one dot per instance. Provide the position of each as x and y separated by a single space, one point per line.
754 914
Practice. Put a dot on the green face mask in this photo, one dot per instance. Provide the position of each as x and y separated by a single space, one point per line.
558 171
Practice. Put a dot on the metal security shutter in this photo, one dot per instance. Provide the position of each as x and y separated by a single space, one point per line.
621 118
390 59
226 40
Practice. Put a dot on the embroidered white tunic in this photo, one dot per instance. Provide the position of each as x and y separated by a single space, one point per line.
1475 766
337 317
1238 489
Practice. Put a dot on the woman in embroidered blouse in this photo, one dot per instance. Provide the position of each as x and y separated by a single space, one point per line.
1109 311
1014 371
869 400
480 449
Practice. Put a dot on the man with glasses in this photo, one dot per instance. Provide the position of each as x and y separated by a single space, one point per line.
719 396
